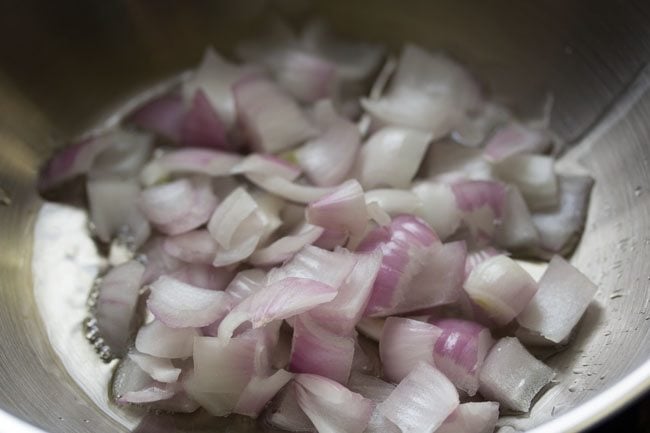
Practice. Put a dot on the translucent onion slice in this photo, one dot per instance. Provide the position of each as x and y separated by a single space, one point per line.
437 207
450 162
460 350
391 157
307 77
192 247
344 209
259 391
476 257
116 305
267 165
295 192
163 115
246 283
395 201
512 376
328 158
189 161
153 393
403 344
203 276
482 205
279 300
317 350
563 296
114 211
422 401
501 288
202 126
284 412
180 305
286 247
517 229
156 339
271 119
514 139
535 177
473 417
330 406
160 369
376 390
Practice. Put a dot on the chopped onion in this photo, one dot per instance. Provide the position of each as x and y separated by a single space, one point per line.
305 76
203 275
193 247
341 314
437 207
563 296
482 205
475 258
328 158
317 350
114 211
157 261
428 92
279 300
156 339
535 177
202 126
179 206
407 244
516 230
422 401
330 406
288 190
478 125
286 247
159 369
285 413
501 288
180 305
163 115
344 209
271 120
376 390
512 376
116 305
391 157
460 351
246 283
403 344
189 161
560 227
449 162
394 201
259 391
267 165
473 417
155 392
371 328
513 139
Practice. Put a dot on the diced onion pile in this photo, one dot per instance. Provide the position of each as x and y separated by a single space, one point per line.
276 208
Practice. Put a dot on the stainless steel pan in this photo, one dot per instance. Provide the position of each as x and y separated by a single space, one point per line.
64 65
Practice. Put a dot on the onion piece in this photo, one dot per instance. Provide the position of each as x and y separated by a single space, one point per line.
428 92
192 247
460 350
286 247
202 126
279 300
391 157
475 258
179 206
114 211
344 209
267 165
330 406
155 392
189 161
563 296
535 177
437 207
517 229
215 76
559 228
160 369
478 125
501 288
482 205
341 314
116 305
407 245
473 417
246 283
403 344
450 162
371 328
285 413
156 339
259 391
180 305
162 114
394 201
157 261
328 158
331 239
317 350
512 376
271 120
513 139
376 390
440 282
291 191
203 276
307 77
422 401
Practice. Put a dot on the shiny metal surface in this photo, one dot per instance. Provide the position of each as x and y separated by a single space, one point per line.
65 65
